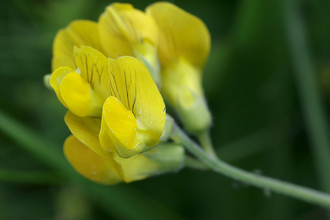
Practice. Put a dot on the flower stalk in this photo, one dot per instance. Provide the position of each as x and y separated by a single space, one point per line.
193 163
266 183
206 143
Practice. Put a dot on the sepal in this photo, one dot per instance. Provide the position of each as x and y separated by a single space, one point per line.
168 129
170 157
193 111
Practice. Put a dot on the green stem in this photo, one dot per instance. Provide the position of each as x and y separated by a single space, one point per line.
266 183
195 164
206 142
34 177
314 112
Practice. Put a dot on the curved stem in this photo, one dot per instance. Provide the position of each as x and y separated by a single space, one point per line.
194 164
266 183
206 143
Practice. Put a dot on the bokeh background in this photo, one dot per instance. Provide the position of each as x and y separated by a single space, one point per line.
267 82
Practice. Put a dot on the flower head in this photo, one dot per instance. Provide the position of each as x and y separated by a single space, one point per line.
121 30
90 159
119 91
115 112
125 30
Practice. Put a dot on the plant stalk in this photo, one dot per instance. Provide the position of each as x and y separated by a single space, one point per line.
265 183
206 142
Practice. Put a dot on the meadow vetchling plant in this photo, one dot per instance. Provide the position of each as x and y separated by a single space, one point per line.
111 76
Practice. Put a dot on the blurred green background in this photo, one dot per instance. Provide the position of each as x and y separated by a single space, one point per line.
269 117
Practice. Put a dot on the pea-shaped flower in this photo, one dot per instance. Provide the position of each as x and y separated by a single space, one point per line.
121 31
90 159
183 48
115 112
119 91
124 30
179 39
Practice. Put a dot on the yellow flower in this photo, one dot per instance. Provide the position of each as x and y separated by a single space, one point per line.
115 112
120 31
115 109
88 157
183 48
179 39
124 30
121 91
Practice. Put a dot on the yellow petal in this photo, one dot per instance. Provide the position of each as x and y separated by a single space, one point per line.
56 80
132 84
79 96
119 126
81 32
182 35
87 131
121 27
93 66
89 164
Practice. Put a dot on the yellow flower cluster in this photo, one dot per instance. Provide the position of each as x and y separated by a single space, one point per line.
105 73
